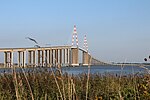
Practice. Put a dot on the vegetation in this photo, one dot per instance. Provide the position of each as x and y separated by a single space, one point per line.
49 85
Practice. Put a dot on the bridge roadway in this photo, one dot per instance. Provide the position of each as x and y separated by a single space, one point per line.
44 56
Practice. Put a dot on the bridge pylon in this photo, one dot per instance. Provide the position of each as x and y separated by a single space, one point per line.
75 37
85 45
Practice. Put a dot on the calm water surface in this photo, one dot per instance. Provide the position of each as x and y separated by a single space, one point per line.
107 69
93 69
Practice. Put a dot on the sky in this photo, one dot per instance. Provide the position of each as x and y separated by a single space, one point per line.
116 30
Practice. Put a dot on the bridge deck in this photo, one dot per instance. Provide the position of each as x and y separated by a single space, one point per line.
33 48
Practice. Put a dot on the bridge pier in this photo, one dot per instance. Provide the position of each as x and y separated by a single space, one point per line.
46 58
24 58
64 53
86 58
34 58
5 59
67 56
56 58
39 58
42 56
8 59
52 60
21 59
59 57
11 59
19 64
49 58
75 58
29 58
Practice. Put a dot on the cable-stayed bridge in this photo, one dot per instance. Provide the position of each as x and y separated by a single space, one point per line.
66 55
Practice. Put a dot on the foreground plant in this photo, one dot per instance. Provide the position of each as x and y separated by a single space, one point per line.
55 85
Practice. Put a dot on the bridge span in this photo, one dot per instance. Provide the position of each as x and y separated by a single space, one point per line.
45 56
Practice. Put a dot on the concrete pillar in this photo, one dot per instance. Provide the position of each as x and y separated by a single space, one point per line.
49 60
42 57
34 58
29 58
46 58
19 63
5 59
52 55
23 59
64 56
8 59
75 61
60 57
67 56
11 59
39 58
85 58
56 56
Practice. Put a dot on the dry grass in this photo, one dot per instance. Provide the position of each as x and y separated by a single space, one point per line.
54 85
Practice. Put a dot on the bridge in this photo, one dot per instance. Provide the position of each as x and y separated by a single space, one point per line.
46 56
49 56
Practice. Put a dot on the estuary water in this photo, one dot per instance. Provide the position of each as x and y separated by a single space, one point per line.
108 69
93 69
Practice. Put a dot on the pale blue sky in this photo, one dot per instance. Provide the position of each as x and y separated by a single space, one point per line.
117 30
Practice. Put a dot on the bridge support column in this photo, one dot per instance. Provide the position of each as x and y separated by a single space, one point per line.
46 58
11 59
85 58
75 58
67 56
52 55
8 59
23 59
49 58
29 58
42 58
19 64
56 57
5 59
60 56
34 58
39 60
64 56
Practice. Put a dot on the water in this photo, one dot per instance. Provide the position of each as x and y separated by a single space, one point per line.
93 69
106 69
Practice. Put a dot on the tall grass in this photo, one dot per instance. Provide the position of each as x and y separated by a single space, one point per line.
88 77
73 87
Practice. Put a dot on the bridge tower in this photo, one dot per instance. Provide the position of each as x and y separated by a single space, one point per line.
75 37
75 49
85 45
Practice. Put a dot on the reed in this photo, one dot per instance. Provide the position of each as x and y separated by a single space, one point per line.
15 82
88 77
55 85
